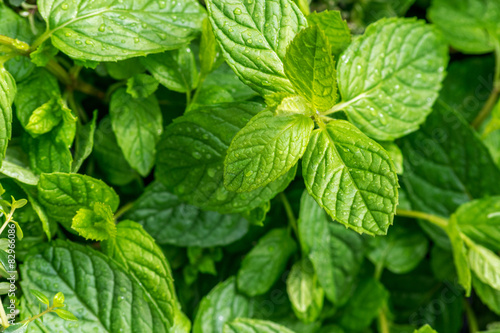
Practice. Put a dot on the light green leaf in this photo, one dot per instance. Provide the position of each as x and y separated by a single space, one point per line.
335 252
488 295
210 52
40 296
263 265
137 251
425 329
7 94
480 220
363 306
400 251
96 223
265 149
191 157
377 74
96 288
335 29
254 38
109 156
176 69
242 325
17 328
124 69
20 173
141 85
137 123
310 67
32 193
65 314
396 155
222 304
351 177
46 87
486 264
84 142
170 221
44 54
460 258
63 194
304 291
110 31
46 117
470 26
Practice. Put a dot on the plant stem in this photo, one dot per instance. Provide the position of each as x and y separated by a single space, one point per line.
123 209
3 315
471 317
37 316
492 99
439 221
383 322
289 213
16 45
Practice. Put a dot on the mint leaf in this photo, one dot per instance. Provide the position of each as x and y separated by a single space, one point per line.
84 142
425 329
377 77
191 157
470 26
137 251
460 258
210 52
486 265
310 67
137 123
263 265
335 29
7 93
337 258
183 77
63 194
487 294
265 149
479 220
105 30
254 38
171 221
124 69
341 167
400 251
141 86
96 223
254 326
46 117
222 304
304 291
68 267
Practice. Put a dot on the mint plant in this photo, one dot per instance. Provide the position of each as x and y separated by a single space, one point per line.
250 166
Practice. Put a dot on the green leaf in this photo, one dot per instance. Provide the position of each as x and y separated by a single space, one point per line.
40 296
44 54
171 221
63 194
210 52
310 67
221 305
121 70
58 300
32 193
141 85
109 155
337 257
191 157
26 102
304 291
96 288
176 69
485 264
265 149
137 123
243 325
480 220
20 173
335 29
396 155
488 295
351 177
17 328
470 26
7 94
111 31
137 251
460 258
65 314
401 251
370 11
364 305
84 142
96 223
46 117
254 38
264 264
377 77
425 329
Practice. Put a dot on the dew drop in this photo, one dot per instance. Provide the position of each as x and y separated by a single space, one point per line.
68 34
89 42
123 41
162 35
249 173
136 40
211 172
249 41
162 4
102 27
237 11
65 6
78 42
196 155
